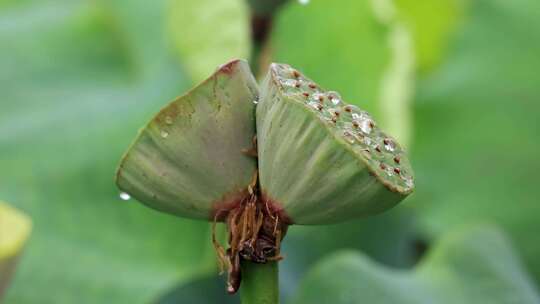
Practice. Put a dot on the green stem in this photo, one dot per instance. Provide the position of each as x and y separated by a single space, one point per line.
259 283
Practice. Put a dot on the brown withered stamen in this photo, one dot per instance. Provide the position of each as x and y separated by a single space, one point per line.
255 232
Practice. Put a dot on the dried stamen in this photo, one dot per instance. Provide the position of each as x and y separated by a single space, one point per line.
255 233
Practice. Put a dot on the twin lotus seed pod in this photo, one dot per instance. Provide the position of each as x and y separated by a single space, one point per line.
261 160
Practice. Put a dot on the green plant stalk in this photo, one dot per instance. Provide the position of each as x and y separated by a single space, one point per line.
260 284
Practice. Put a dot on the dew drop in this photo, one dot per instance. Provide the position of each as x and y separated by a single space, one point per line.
351 109
255 101
125 196
389 145
289 82
164 134
409 182
367 141
317 106
303 2
318 97
334 113
334 97
366 125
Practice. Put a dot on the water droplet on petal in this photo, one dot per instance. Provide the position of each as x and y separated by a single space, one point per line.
125 196
164 134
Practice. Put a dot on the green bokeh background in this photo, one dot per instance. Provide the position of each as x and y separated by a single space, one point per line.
457 80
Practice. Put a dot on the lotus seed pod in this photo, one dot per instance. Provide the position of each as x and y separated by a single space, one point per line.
322 160
188 159
14 231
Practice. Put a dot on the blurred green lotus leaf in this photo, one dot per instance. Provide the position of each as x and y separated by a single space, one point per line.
207 33
432 24
481 108
472 265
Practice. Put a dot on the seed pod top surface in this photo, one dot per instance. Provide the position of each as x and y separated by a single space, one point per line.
188 159
322 160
